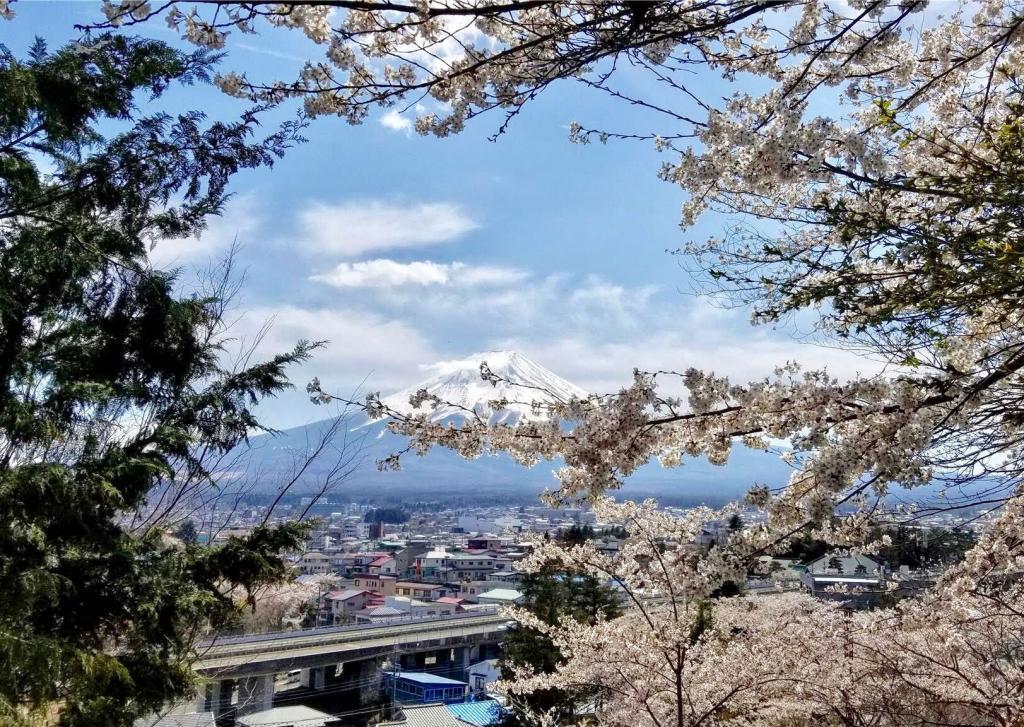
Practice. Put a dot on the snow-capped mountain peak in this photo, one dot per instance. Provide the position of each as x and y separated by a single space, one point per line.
459 382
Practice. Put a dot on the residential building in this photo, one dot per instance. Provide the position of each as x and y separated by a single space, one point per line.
432 564
855 580
424 715
355 529
480 713
423 591
466 714
485 542
380 614
500 596
385 564
414 687
469 566
294 716
381 583
405 558
482 676
345 604
314 563
416 608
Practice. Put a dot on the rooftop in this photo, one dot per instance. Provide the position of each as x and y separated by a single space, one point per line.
482 713
297 716
198 719
420 677
424 715
501 594
345 595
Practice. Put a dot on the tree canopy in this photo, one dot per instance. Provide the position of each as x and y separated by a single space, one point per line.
112 383
552 595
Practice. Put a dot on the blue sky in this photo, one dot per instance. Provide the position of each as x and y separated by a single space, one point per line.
404 250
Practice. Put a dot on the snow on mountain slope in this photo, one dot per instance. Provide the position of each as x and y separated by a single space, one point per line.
443 473
459 383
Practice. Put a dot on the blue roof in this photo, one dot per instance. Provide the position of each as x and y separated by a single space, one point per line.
483 713
424 678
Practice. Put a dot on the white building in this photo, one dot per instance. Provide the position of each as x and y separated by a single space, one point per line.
500 596
314 563
482 675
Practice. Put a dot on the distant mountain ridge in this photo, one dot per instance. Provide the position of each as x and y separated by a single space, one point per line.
442 472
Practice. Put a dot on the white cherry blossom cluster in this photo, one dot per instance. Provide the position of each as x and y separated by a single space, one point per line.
678 657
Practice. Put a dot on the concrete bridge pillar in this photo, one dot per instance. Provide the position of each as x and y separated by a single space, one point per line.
217 697
458 662
313 678
256 694
370 676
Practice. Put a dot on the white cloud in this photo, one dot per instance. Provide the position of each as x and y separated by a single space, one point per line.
383 273
361 344
396 122
240 220
357 227
605 366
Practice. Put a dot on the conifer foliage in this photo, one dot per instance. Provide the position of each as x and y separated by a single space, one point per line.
111 381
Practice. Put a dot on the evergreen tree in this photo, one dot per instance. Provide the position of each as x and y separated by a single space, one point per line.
110 382
577 534
187 532
392 515
553 595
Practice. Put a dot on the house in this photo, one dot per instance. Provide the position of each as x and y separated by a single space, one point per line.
314 563
856 580
469 566
432 563
380 614
355 529
506 576
424 715
345 604
467 714
423 591
481 713
459 603
417 608
501 596
381 583
294 716
405 557
471 590
484 542
482 675
385 564
414 687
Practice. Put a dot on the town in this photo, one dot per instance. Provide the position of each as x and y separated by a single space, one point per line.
395 618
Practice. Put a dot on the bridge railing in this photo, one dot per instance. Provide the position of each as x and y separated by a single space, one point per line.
351 628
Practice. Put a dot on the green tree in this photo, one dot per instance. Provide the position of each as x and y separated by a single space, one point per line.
553 595
111 382
393 515
577 534
187 532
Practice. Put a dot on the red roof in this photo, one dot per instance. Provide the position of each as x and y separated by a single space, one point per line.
380 561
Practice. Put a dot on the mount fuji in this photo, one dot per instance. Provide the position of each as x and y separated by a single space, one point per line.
459 384
443 475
